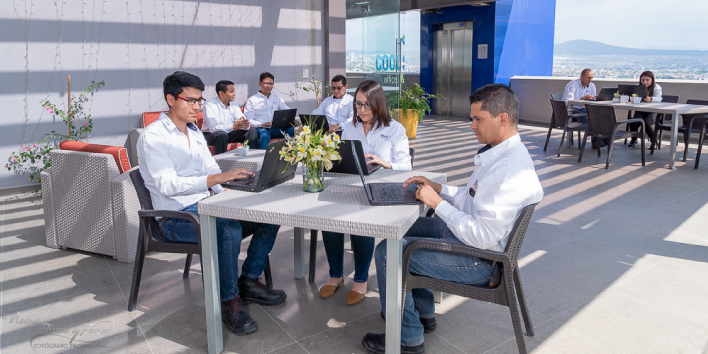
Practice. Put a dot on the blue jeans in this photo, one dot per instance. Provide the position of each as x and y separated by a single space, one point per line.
265 134
228 241
363 248
583 119
436 264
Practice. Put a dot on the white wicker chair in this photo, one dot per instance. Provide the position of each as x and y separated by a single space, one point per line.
89 205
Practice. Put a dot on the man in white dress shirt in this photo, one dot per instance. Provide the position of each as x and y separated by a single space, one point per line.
179 171
259 111
224 122
581 89
480 214
338 108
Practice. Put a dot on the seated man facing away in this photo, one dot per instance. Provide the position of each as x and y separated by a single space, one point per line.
224 122
178 171
259 111
480 214
338 108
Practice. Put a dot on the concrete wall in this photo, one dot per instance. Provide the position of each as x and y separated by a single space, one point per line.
133 45
534 92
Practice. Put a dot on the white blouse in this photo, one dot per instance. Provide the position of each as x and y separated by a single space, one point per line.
388 143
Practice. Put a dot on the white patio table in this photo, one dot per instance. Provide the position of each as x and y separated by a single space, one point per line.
654 107
341 207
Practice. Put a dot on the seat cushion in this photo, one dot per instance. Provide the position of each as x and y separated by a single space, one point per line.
120 154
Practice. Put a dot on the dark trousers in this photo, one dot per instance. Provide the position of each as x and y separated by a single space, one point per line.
649 119
221 139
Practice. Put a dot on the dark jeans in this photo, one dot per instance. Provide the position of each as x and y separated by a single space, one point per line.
265 134
362 247
436 264
221 139
649 119
583 119
228 240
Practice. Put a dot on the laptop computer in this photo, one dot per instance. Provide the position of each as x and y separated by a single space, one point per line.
284 118
386 193
271 173
319 121
346 164
606 94
628 90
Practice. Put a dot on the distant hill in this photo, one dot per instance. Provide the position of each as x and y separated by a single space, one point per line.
584 47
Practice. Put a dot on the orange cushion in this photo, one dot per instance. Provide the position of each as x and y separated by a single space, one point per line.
229 147
120 154
200 120
149 117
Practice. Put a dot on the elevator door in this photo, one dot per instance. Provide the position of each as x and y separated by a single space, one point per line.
453 69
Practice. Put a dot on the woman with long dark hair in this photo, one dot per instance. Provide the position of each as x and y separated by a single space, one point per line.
385 143
653 95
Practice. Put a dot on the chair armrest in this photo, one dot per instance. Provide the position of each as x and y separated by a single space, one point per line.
577 115
439 245
633 120
170 214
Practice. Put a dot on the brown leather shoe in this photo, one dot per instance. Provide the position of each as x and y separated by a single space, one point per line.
328 291
355 297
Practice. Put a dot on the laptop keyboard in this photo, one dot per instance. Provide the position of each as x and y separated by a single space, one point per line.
388 192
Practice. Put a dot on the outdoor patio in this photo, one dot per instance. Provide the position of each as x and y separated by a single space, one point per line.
613 262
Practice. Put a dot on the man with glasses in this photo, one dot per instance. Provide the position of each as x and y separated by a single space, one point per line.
224 122
337 108
259 111
178 171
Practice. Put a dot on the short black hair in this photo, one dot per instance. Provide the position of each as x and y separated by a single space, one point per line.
340 78
497 99
265 75
174 84
222 86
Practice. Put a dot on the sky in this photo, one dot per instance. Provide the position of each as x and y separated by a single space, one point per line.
659 24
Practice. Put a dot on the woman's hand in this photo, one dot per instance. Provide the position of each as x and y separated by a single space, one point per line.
647 99
377 160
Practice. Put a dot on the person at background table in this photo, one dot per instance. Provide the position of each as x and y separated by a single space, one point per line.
385 142
224 122
337 108
480 214
179 170
259 111
581 89
653 95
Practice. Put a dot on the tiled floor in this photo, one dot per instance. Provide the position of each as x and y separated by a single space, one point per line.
614 262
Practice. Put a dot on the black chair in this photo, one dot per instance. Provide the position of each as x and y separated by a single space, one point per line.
150 238
557 123
313 240
504 293
560 120
661 124
690 122
602 124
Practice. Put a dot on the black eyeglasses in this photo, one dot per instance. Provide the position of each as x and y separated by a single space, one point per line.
192 101
365 106
337 87
268 83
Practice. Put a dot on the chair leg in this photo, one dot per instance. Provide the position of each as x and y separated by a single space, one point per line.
268 275
643 147
701 139
187 265
597 142
137 269
548 137
686 137
514 311
609 152
579 138
561 142
313 255
582 148
522 304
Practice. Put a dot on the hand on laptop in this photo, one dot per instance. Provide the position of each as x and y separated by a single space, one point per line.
266 124
421 181
427 195
333 128
219 178
588 97
377 160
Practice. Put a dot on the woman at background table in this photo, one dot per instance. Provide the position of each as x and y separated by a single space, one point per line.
653 95
384 142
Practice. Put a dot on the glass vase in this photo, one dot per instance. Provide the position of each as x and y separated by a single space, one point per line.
313 177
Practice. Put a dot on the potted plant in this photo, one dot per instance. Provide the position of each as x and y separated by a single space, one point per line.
316 150
412 106
636 98
624 98
616 97
243 149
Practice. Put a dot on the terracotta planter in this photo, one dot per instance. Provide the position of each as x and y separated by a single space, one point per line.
409 121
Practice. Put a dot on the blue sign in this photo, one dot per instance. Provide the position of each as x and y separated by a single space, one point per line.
388 62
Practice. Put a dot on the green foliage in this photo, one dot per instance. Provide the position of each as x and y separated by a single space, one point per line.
312 85
34 158
414 98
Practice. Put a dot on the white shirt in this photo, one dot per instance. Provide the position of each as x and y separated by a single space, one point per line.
175 170
259 108
388 143
657 93
218 117
338 111
504 182
574 90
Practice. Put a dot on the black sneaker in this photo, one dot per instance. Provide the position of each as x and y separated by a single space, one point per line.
376 343
236 319
253 291
429 324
